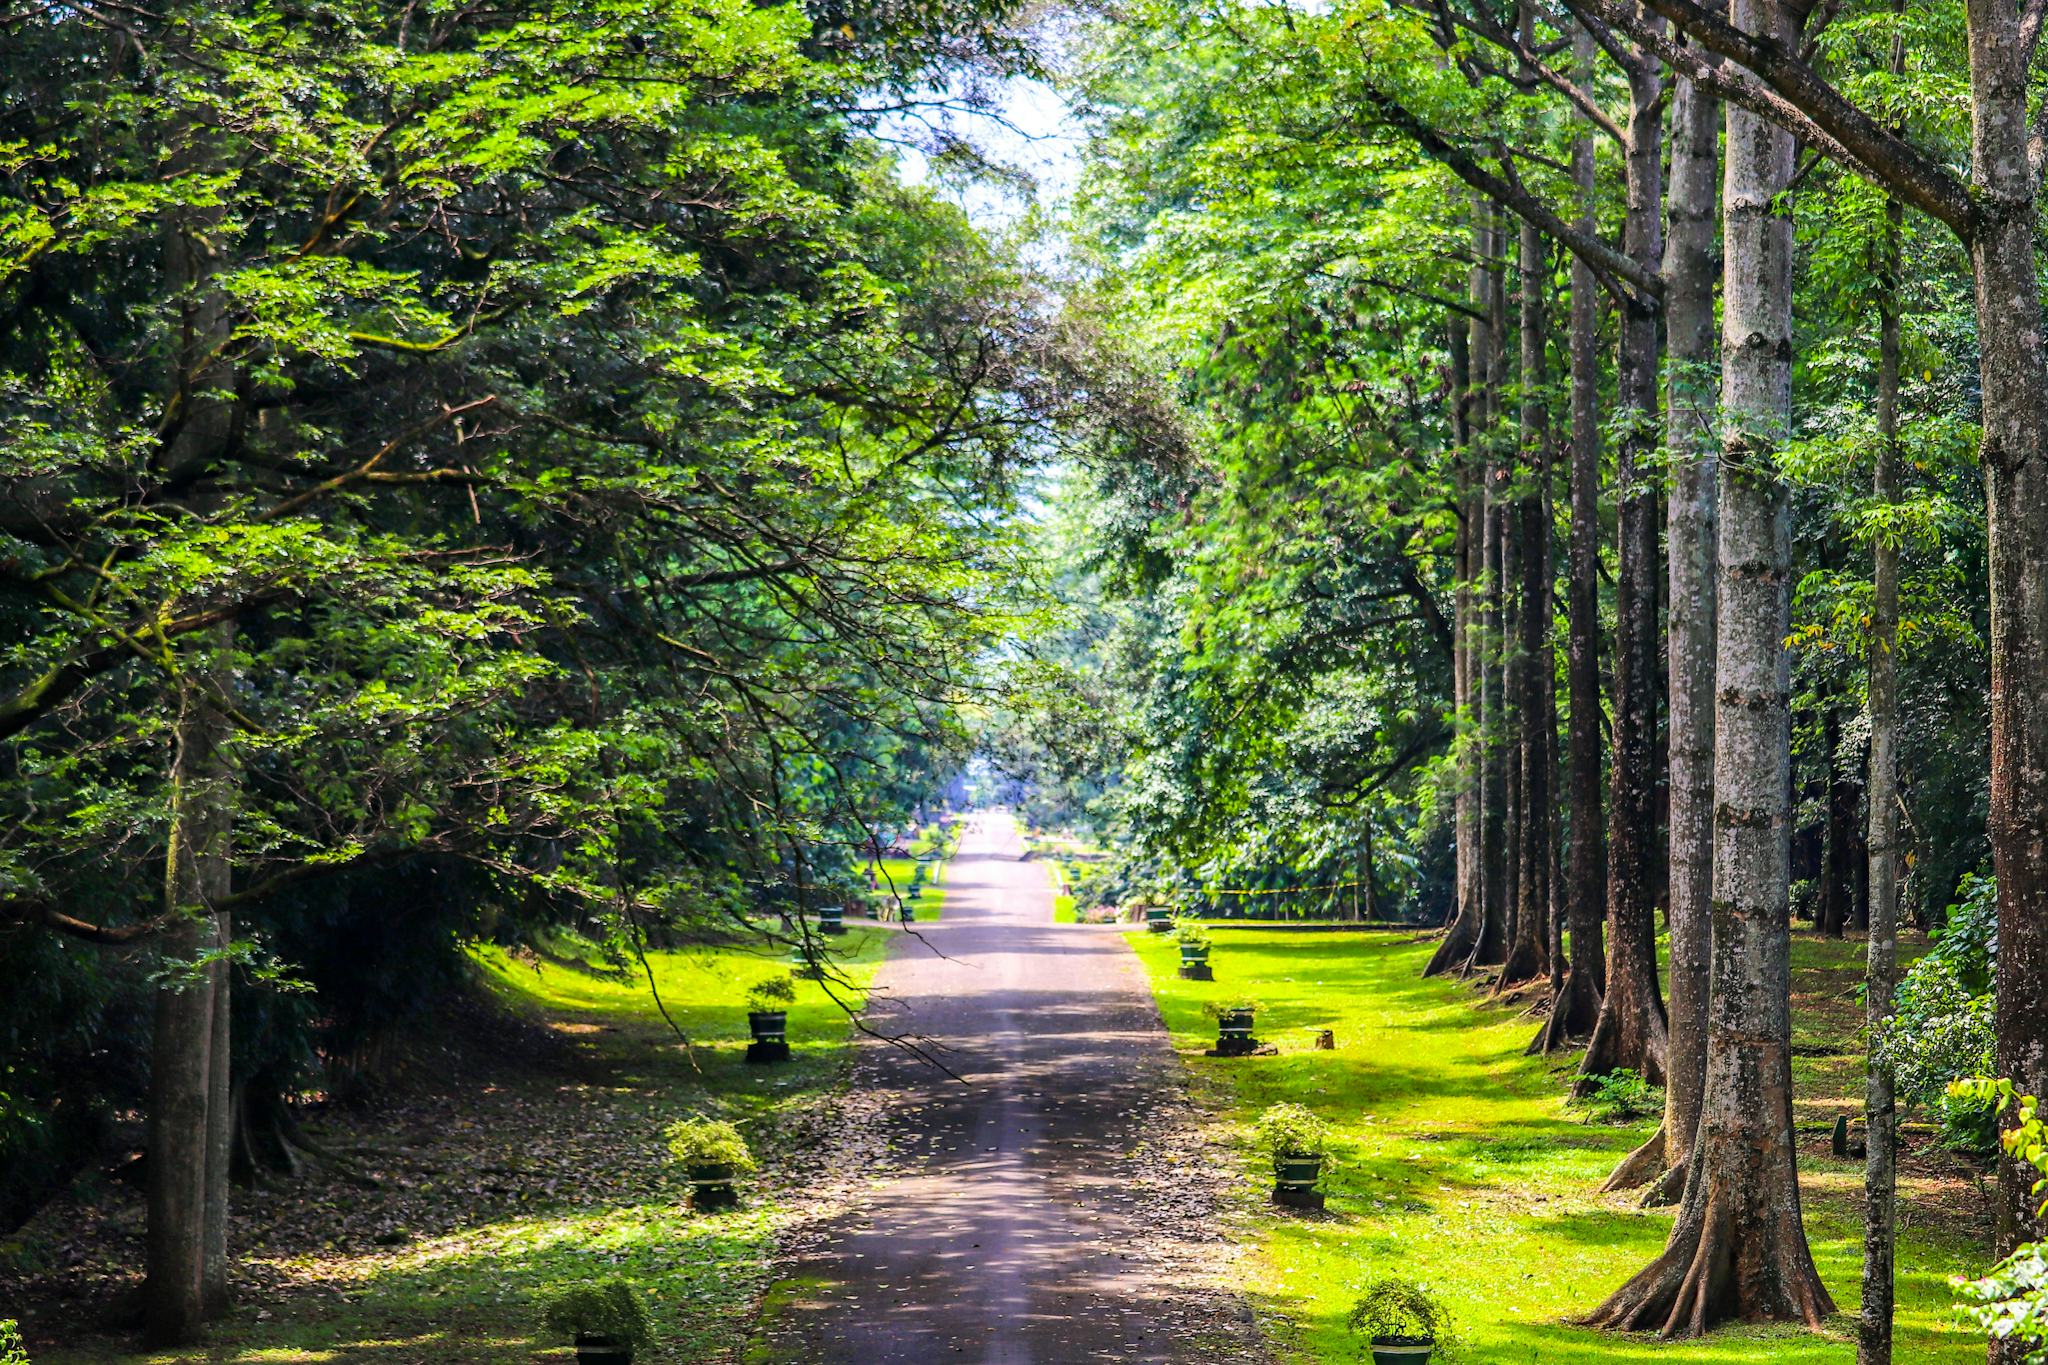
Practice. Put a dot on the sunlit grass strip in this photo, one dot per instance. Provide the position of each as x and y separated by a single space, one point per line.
1458 1164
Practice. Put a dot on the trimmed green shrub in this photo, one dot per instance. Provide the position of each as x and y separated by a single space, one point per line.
2011 1303
694 1143
1287 1129
1942 1022
604 1308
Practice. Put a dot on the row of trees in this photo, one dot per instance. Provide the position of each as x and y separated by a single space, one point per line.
462 469
1438 286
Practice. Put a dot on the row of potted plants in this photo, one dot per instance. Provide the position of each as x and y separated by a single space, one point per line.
1404 1323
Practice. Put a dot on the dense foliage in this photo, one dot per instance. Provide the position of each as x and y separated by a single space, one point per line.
468 472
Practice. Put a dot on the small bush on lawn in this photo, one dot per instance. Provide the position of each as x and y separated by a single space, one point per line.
1287 1129
696 1143
1622 1096
1403 1312
604 1308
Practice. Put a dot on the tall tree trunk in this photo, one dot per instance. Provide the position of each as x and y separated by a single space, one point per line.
185 1246
1369 905
190 1109
1738 1246
1528 946
1470 350
2015 459
1838 858
1880 1100
1491 946
1631 1029
1577 1007
1690 426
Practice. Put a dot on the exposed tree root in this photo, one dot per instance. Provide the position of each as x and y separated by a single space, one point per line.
1666 1190
1628 1034
1456 947
1524 964
1736 1252
1574 1012
1639 1167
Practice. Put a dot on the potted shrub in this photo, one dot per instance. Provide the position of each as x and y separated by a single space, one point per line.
604 1320
1233 1016
1297 1141
832 919
768 1002
1158 918
1193 936
712 1155
1403 1321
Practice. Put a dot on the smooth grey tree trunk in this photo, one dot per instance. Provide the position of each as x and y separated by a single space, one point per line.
1491 945
1471 353
1738 1245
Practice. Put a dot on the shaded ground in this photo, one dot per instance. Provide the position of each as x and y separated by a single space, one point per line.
1459 1164
521 1152
1051 1205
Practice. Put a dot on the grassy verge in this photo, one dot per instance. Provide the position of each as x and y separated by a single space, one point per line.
1458 1164
521 1178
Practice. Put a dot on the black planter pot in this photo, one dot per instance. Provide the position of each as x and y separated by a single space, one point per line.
832 919
1402 1350
712 1187
1234 1035
1297 1172
1158 921
1193 954
768 1026
593 1348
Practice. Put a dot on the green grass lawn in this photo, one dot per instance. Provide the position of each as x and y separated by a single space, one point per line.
1458 1164
1063 909
545 1178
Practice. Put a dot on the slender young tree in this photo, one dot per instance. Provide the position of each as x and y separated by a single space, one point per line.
1880 1103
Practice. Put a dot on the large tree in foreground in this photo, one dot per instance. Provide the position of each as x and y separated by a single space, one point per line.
1738 1246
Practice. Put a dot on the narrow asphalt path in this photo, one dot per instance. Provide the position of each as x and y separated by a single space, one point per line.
1012 1224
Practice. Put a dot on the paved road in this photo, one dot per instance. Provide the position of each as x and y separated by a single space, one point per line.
1011 1233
